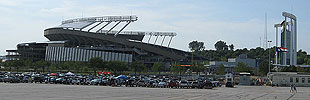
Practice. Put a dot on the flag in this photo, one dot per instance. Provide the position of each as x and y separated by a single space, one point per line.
281 49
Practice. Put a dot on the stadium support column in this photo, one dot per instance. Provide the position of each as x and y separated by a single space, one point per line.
113 27
170 41
94 26
122 29
291 41
276 45
103 27
149 39
162 41
295 41
86 26
285 44
156 39
276 28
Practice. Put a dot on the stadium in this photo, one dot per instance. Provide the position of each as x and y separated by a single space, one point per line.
84 38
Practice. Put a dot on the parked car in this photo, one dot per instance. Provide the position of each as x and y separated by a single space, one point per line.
173 84
206 84
14 79
162 84
59 81
6 78
75 81
26 79
130 83
183 84
38 78
141 83
95 82
1 78
194 84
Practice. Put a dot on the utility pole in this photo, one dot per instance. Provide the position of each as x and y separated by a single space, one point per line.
269 54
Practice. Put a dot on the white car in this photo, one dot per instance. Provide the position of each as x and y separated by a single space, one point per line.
183 84
162 84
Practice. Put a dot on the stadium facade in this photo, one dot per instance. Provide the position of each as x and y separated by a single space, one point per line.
84 38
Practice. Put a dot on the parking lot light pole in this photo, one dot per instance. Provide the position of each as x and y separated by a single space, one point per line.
269 54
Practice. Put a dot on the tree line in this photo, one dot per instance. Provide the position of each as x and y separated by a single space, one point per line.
223 51
93 66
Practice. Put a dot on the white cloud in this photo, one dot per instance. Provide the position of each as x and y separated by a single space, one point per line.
10 2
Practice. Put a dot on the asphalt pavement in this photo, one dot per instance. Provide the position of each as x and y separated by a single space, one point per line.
31 91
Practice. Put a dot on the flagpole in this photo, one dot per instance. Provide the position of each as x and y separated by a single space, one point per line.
269 54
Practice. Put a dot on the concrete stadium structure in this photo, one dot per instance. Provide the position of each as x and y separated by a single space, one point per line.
84 38
288 40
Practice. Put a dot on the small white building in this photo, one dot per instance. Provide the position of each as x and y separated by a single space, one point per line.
245 78
288 78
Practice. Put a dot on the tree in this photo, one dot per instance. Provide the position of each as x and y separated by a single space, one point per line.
220 45
95 63
301 57
231 47
307 69
157 67
221 70
196 46
85 69
78 66
199 67
8 64
68 65
300 69
291 68
1 63
29 64
242 67
176 68
41 64
263 68
117 66
17 64
307 61
104 65
137 67
52 68
44 65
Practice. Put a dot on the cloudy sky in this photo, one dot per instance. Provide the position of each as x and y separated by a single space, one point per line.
238 22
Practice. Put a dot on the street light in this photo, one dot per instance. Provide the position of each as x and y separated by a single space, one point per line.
269 54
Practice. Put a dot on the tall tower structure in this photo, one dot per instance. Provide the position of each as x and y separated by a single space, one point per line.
288 39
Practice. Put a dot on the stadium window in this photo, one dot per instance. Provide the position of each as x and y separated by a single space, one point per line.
297 80
291 79
303 80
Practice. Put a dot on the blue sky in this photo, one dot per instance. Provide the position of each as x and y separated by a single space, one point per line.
238 22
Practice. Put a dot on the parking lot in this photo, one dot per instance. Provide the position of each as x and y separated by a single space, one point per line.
31 91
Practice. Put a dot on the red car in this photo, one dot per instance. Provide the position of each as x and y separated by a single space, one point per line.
173 84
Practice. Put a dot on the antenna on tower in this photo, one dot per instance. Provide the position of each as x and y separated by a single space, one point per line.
260 41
